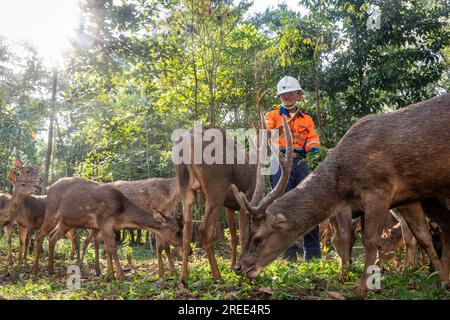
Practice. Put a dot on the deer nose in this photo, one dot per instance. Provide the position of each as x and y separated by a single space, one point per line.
237 268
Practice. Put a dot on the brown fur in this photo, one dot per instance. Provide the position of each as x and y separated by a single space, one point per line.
383 161
160 193
80 203
213 183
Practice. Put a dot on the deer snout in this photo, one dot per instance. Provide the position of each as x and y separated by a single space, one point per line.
237 268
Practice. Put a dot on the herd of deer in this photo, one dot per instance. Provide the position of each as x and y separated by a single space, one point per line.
398 160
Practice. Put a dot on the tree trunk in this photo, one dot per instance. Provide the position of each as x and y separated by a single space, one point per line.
50 130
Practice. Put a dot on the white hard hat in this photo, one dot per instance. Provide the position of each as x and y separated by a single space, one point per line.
288 84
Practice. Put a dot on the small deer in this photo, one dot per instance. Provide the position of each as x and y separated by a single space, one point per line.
159 194
81 203
376 166
24 186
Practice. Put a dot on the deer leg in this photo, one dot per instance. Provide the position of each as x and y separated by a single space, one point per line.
375 212
188 209
438 211
109 269
412 254
88 239
169 259
210 220
344 224
111 247
415 218
43 232
22 244
97 241
231 221
243 223
159 250
71 235
77 245
409 242
9 232
57 234
27 242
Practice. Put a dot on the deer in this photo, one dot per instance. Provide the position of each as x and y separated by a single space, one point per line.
343 237
212 182
374 167
22 205
27 211
397 233
80 203
161 194
24 186
4 199
395 238
437 210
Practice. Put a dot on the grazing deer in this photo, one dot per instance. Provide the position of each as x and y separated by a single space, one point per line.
81 203
379 164
394 239
158 194
161 194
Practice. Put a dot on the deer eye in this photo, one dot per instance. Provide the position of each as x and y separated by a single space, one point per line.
258 241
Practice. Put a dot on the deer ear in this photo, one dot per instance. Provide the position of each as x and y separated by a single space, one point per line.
12 176
280 222
18 163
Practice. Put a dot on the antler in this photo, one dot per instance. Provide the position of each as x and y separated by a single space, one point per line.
286 164
295 115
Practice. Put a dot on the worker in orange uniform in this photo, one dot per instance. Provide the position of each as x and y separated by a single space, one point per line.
305 140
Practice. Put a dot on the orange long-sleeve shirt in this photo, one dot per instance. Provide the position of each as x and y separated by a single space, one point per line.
302 128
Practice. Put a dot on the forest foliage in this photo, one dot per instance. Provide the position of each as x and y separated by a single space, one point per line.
137 70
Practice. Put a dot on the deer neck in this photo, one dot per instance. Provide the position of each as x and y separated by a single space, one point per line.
136 217
15 203
315 199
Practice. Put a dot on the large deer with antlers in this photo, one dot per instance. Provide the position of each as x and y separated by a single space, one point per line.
376 166
212 182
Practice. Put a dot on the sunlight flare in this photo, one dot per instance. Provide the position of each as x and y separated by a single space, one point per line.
48 24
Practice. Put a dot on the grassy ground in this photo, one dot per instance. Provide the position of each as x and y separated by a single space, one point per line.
281 280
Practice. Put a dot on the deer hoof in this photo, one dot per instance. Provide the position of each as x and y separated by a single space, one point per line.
343 278
360 292
182 285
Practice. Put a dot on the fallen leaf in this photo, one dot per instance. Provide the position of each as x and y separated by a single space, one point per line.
266 290
231 295
335 295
